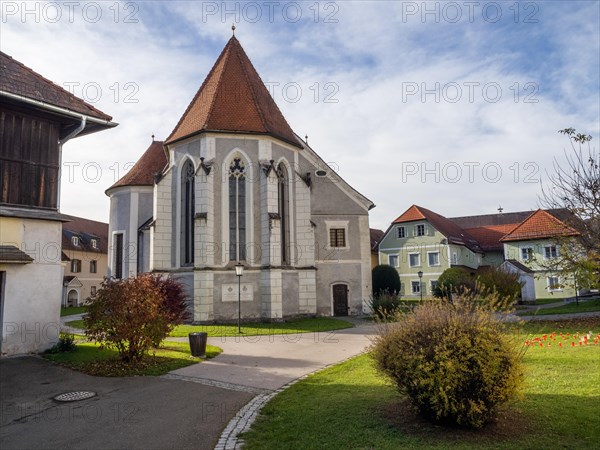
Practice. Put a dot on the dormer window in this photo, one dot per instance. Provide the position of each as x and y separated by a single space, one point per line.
75 241
94 243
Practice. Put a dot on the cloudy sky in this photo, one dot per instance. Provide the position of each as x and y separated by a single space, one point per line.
454 106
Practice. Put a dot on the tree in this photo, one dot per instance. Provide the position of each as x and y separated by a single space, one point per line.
385 279
454 280
134 314
574 186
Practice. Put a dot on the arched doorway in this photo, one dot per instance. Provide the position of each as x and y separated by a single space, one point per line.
73 298
340 299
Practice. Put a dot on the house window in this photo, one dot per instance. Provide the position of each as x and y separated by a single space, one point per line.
118 250
414 260
93 266
454 258
93 290
550 251
187 213
75 265
337 237
420 230
283 201
526 253
393 260
434 258
415 287
553 284
401 232
75 241
237 210
434 285
94 243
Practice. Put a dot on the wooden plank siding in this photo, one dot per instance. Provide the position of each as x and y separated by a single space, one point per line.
29 160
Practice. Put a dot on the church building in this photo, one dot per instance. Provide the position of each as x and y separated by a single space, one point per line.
233 184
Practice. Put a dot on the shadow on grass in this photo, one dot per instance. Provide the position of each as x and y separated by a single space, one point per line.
92 360
347 416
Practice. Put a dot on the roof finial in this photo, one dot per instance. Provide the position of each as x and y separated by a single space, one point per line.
152 137
500 209
233 28
306 138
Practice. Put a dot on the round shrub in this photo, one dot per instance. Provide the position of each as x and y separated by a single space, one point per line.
454 280
385 305
385 279
453 361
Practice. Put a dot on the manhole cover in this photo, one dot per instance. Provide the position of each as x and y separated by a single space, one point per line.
74 396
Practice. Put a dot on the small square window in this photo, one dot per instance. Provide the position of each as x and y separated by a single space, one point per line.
526 253
75 265
401 232
550 252
415 287
393 260
414 260
553 284
75 241
93 266
420 230
434 258
337 237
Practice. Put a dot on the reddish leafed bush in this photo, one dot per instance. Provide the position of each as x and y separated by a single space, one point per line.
135 314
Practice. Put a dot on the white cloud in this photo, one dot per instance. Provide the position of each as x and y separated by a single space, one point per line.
373 134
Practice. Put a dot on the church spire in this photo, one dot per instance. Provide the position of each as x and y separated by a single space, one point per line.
233 98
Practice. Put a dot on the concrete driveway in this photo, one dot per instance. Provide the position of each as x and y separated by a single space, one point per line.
127 413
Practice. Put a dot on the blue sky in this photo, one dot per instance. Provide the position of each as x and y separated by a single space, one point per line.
456 110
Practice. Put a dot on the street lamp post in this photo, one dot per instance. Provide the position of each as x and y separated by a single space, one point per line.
239 271
420 273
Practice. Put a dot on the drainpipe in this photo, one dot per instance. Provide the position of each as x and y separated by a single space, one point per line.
62 142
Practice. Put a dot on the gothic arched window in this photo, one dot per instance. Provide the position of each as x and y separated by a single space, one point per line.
284 213
187 213
237 210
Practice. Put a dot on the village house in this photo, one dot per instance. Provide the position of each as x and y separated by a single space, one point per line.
37 118
421 244
85 258
233 184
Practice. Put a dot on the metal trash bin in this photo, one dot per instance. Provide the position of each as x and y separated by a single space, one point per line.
198 344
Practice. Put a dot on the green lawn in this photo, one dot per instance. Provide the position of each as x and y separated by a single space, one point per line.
351 406
546 301
72 310
76 324
317 324
88 358
568 308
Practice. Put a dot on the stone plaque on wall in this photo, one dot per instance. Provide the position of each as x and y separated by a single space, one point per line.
229 292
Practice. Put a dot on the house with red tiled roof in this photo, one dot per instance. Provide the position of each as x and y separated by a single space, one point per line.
37 119
85 259
233 185
421 244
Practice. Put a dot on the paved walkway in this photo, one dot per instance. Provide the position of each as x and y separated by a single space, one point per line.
266 363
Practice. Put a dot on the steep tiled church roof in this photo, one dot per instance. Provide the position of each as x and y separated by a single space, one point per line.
233 98
151 163
539 225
